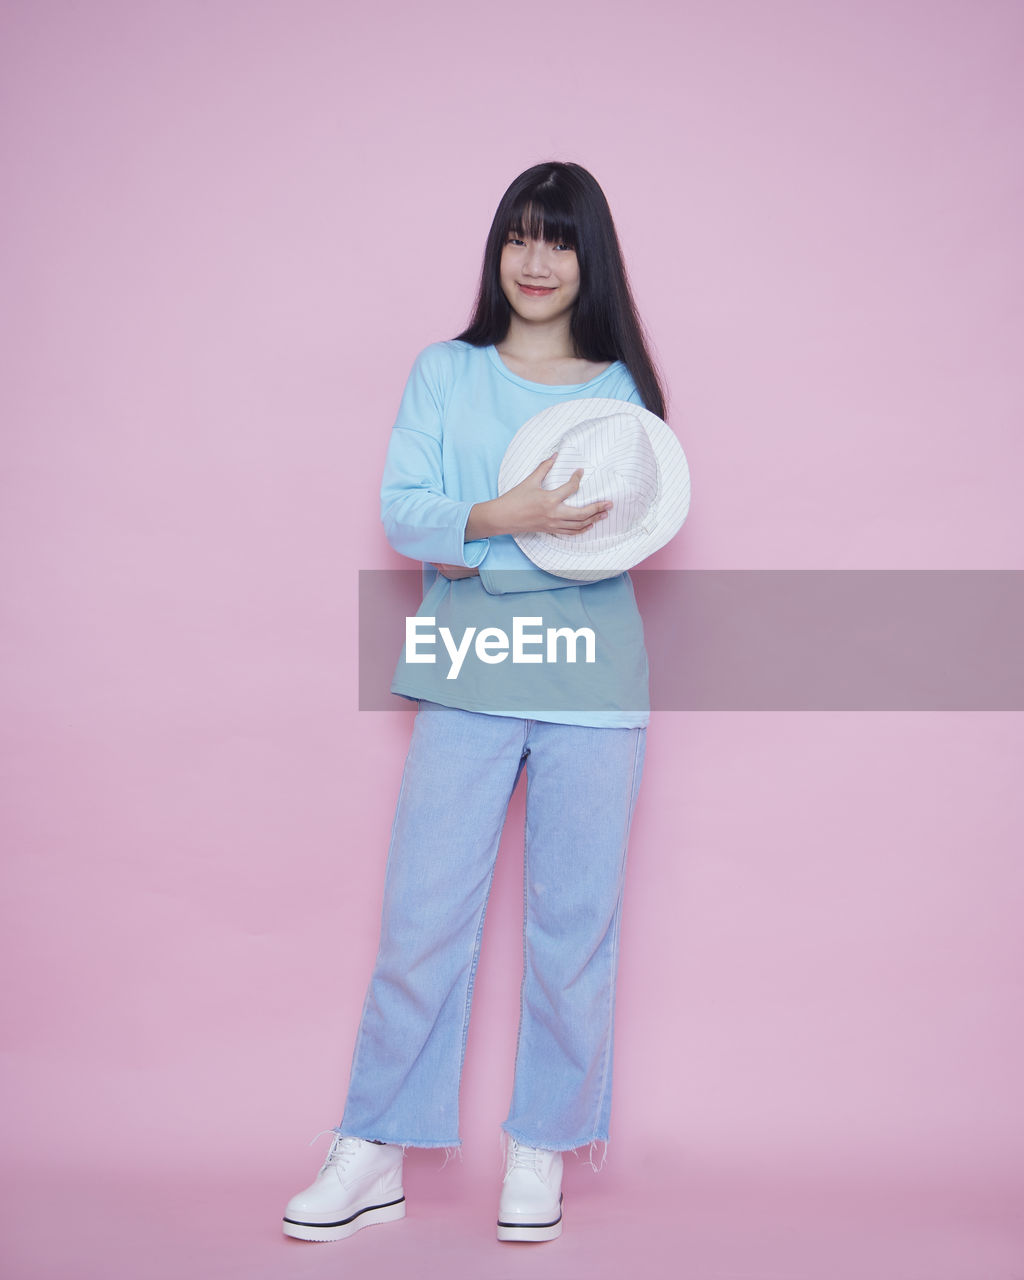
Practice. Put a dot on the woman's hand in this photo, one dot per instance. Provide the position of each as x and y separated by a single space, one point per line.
530 508
454 571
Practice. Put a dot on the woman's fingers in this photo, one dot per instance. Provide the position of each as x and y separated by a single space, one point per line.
454 571
538 474
530 508
569 488
577 519
563 491
583 515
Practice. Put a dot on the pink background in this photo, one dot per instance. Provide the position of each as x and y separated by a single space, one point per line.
227 228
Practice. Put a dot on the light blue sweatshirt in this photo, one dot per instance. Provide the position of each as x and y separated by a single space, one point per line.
460 409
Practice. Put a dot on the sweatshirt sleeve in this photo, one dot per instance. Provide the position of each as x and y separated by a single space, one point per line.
501 582
419 519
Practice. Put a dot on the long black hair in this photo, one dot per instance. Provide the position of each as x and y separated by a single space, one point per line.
563 204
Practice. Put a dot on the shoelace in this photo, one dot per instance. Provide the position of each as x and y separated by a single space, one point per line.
520 1157
341 1151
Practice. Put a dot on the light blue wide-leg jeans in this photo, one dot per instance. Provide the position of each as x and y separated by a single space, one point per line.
459 777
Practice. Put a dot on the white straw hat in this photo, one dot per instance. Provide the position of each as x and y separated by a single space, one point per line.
628 456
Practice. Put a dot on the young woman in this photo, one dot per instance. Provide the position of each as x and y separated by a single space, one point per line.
554 322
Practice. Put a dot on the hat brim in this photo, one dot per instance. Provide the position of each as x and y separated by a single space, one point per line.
569 556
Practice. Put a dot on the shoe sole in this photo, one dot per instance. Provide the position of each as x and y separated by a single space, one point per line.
509 1231
321 1232
530 1232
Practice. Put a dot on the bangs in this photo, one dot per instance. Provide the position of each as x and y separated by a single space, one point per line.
536 219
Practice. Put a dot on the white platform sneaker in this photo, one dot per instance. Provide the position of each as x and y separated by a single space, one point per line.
360 1184
531 1195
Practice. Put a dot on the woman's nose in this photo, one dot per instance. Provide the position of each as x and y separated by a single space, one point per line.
536 263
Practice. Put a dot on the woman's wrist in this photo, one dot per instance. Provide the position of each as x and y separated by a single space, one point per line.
483 520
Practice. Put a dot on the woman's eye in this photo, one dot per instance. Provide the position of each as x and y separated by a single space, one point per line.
565 248
515 240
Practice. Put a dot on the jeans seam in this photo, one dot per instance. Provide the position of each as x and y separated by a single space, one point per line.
479 934
526 908
472 973
613 954
380 943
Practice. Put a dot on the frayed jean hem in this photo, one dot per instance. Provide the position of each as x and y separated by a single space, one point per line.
426 1144
600 1142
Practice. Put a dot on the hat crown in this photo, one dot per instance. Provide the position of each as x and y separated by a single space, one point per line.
618 462
627 455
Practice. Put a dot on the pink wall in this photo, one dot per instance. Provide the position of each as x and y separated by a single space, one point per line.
226 230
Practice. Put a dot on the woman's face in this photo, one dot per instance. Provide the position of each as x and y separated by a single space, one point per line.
541 280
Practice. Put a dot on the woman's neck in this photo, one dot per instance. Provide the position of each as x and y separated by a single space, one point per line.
546 354
538 343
